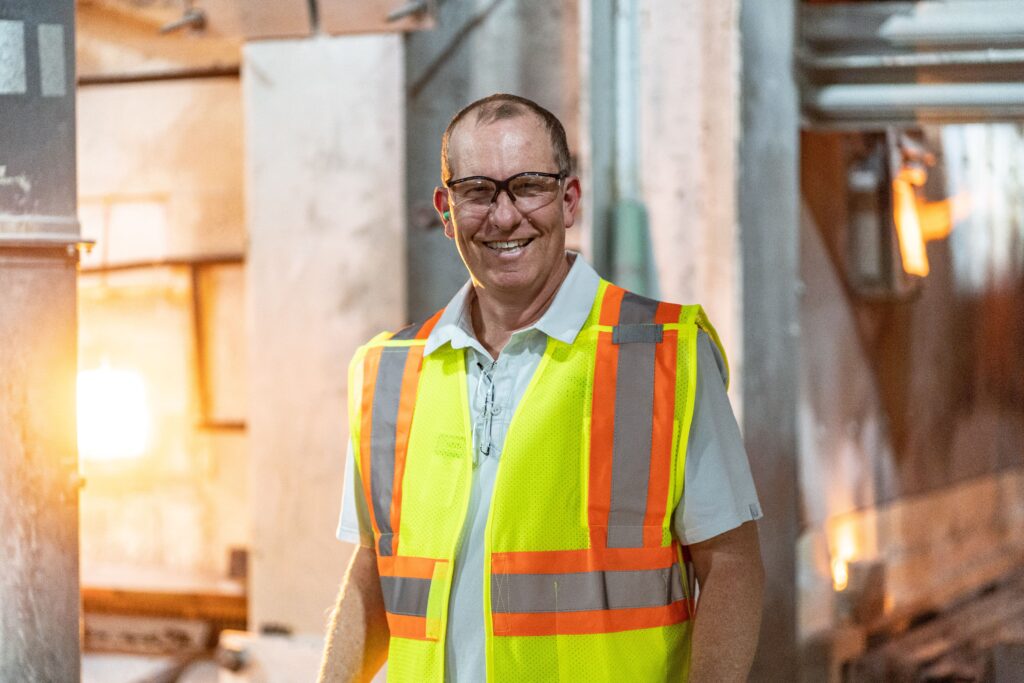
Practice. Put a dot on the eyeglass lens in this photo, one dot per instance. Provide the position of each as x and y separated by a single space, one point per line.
528 192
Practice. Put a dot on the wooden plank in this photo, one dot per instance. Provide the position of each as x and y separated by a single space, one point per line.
371 16
223 608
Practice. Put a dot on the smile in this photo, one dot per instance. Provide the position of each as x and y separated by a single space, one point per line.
508 247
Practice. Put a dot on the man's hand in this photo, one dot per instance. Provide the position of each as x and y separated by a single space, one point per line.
357 638
731 580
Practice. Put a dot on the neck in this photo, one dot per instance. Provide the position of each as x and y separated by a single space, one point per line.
496 315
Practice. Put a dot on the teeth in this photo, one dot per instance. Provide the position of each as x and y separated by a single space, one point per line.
508 245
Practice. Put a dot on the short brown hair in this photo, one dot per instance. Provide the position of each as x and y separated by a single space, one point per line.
504 106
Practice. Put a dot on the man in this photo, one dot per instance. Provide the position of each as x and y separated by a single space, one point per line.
535 467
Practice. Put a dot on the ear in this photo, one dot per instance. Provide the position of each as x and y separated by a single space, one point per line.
444 208
571 200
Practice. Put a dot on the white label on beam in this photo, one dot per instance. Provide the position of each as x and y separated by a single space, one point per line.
12 58
52 75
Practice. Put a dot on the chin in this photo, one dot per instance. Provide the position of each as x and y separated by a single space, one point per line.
507 281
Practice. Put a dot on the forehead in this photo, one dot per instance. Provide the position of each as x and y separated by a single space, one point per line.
501 148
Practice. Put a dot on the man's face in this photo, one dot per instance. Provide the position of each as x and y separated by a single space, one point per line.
507 248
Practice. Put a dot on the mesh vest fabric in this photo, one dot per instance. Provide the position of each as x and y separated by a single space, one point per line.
583 580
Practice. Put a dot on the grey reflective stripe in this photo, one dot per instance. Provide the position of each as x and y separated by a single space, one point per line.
586 591
636 309
631 443
405 596
384 421
407 332
637 334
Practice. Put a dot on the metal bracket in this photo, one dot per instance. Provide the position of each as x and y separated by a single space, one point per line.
71 242
408 9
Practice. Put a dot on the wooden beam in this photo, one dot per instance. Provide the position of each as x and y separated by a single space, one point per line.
228 610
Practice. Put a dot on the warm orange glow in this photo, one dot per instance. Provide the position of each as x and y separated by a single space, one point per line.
938 218
908 227
113 414
844 551
840 574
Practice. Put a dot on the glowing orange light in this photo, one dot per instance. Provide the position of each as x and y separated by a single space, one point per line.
845 550
113 414
908 227
939 218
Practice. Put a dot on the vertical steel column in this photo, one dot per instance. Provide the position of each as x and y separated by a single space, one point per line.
39 599
769 231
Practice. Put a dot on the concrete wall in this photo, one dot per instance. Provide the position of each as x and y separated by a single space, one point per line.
161 178
161 168
324 205
689 127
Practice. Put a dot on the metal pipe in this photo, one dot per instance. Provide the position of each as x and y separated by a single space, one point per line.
863 62
910 24
916 102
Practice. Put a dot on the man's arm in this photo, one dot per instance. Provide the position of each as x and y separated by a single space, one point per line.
357 637
728 618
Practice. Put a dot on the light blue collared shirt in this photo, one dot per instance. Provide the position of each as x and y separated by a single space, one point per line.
720 491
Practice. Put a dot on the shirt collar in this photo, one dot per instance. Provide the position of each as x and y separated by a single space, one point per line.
562 321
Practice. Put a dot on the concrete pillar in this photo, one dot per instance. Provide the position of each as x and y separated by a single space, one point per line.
689 135
39 602
324 129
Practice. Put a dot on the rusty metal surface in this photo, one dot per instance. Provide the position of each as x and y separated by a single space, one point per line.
769 220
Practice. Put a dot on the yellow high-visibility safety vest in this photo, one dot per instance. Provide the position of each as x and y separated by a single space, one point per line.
583 580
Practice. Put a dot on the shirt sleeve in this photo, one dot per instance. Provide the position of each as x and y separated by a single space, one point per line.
718 489
354 523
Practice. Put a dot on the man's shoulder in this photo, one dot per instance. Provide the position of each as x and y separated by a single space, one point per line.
410 332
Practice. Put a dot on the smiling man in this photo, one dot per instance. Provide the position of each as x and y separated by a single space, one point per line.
543 473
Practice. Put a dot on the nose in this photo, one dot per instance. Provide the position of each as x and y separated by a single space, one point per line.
504 214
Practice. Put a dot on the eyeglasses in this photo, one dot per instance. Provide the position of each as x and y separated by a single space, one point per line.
529 191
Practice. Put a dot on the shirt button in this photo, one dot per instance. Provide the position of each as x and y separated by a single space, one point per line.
495 410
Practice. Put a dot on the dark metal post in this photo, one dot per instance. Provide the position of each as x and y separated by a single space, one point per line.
39 598
769 228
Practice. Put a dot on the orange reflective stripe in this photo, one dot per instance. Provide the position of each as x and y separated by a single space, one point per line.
610 305
602 420
665 357
371 365
596 621
583 560
411 567
405 626
428 325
